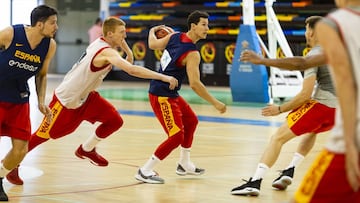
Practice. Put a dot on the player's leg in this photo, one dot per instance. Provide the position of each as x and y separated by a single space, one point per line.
286 175
168 113
64 122
19 137
97 109
190 121
269 156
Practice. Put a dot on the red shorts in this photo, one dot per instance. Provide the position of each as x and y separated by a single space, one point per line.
326 181
311 117
15 120
66 121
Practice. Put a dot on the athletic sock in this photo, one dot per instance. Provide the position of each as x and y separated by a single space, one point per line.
185 159
260 171
90 143
297 159
3 170
148 168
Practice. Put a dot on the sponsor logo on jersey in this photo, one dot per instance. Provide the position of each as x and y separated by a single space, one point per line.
24 65
18 45
27 57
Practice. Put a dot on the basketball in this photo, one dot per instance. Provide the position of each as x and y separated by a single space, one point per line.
163 32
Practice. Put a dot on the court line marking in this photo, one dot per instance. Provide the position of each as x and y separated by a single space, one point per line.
214 119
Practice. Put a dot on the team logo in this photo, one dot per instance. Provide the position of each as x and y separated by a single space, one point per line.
245 45
306 51
280 53
229 52
158 54
208 52
139 50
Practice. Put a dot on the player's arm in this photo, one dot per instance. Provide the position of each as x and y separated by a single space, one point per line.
192 62
41 81
153 42
111 56
6 36
299 99
346 90
289 63
129 54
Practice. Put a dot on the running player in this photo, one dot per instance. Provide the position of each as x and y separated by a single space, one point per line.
180 58
309 116
76 100
26 51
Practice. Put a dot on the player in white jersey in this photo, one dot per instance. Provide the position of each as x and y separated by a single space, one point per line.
335 174
76 100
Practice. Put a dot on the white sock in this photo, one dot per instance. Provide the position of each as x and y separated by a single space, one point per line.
3 170
147 169
185 159
90 143
260 171
297 159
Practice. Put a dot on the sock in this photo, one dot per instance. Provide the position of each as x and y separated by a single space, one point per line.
147 169
90 143
297 158
185 159
3 170
260 171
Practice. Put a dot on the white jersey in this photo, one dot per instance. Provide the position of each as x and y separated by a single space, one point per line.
83 77
348 24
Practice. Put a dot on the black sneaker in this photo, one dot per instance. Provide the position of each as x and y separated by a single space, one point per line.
3 196
285 179
251 188
180 170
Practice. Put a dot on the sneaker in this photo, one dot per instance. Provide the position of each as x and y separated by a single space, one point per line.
3 196
284 179
181 171
251 188
14 178
93 156
153 179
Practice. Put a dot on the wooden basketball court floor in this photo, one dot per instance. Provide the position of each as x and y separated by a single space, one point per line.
227 145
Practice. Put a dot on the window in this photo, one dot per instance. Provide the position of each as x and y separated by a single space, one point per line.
19 14
5 13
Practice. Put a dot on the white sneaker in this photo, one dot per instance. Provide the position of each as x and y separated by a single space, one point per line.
180 170
153 179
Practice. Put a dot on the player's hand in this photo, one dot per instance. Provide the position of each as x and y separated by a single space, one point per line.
221 107
173 82
46 111
270 110
352 166
250 56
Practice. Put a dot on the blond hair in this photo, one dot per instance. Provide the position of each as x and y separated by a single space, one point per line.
110 24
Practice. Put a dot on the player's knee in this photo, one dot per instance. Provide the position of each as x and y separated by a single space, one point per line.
177 139
117 122
191 122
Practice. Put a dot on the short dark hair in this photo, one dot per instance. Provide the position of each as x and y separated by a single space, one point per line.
41 14
195 16
312 20
98 20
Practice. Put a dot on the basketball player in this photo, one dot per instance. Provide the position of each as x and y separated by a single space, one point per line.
180 58
26 51
335 174
76 100
309 116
